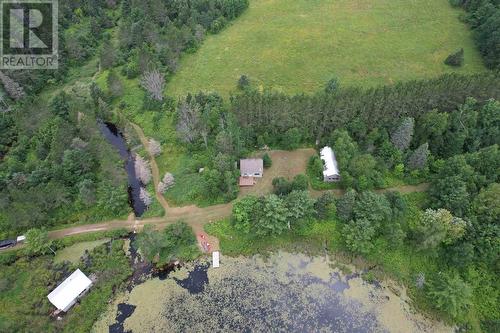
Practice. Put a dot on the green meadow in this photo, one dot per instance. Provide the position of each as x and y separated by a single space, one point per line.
296 46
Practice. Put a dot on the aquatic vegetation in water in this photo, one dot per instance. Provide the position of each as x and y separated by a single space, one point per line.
285 292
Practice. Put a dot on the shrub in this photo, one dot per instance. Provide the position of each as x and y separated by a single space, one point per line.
281 186
268 162
167 182
450 294
284 187
243 82
315 167
455 59
332 85
300 183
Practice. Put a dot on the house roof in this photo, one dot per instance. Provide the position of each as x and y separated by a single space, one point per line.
251 166
63 296
247 181
330 163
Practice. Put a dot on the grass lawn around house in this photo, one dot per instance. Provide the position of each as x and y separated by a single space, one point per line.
297 46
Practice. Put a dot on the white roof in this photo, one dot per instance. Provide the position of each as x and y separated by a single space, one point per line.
328 156
68 291
215 259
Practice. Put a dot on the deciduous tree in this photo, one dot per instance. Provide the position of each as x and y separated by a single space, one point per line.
358 235
418 159
142 170
37 242
154 147
401 137
13 89
154 83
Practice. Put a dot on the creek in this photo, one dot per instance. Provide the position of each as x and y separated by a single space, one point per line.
115 138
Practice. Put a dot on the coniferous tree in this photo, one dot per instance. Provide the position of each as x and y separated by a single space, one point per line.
456 59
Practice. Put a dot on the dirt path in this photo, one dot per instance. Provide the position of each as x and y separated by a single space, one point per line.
286 164
154 167
194 216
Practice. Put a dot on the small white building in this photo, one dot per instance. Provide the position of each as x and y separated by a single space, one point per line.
330 168
70 290
215 259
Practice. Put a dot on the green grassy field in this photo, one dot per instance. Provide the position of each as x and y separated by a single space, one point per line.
297 46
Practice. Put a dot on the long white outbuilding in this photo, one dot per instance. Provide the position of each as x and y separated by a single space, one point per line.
70 290
330 167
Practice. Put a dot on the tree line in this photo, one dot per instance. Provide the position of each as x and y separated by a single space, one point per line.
272 117
483 17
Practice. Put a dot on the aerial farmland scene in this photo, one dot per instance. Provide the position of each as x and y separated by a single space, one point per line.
250 166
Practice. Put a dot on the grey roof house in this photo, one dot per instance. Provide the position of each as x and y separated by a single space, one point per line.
252 167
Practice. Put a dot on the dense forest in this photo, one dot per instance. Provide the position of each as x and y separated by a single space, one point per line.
55 165
455 226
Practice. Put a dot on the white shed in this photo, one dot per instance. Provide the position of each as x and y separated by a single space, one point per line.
330 167
70 290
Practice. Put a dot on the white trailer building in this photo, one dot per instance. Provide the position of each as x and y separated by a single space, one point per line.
330 167
70 290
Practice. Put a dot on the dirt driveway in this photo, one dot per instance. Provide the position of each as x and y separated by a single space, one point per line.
286 164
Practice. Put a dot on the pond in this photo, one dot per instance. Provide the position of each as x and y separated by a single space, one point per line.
113 135
285 293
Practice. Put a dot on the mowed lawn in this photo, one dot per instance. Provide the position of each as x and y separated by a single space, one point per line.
298 45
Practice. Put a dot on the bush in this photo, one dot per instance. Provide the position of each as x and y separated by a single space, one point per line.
218 24
268 162
332 86
281 186
450 294
315 167
455 59
243 82
284 187
8 258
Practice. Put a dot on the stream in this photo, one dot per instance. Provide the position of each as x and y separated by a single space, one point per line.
114 137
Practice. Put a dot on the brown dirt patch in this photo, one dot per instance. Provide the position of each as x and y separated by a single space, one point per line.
286 164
